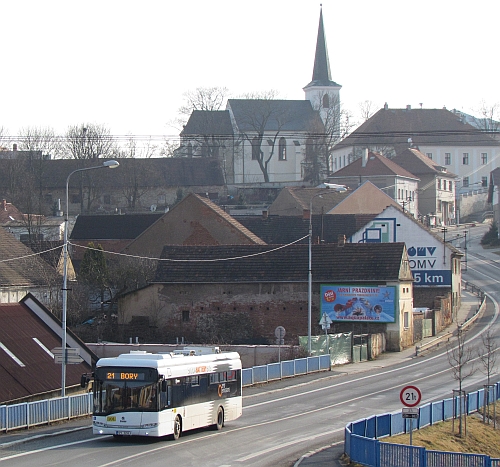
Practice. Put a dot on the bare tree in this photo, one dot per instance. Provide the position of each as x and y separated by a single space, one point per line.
367 109
168 148
337 124
488 359
3 138
260 122
489 120
460 358
88 141
41 139
203 98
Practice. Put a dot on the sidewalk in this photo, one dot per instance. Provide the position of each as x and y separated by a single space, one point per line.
329 456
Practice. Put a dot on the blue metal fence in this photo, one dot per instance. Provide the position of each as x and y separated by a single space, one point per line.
46 411
361 442
285 369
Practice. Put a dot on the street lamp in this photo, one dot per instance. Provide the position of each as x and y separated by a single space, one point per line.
111 164
309 278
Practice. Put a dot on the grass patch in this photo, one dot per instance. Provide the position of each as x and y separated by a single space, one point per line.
481 438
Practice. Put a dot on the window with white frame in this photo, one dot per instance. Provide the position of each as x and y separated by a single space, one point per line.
447 158
465 158
484 158
429 155
484 181
465 181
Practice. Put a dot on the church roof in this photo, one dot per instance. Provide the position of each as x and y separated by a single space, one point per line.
202 122
321 72
252 115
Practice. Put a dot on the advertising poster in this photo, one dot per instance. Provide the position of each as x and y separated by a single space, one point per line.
358 303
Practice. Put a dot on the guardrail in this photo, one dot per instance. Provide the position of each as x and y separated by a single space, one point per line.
284 369
446 337
43 412
361 442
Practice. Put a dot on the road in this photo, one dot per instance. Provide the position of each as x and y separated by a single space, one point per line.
278 426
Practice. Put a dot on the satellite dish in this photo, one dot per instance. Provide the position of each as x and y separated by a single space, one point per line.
153 208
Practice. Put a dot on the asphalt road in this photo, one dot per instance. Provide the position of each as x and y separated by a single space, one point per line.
283 421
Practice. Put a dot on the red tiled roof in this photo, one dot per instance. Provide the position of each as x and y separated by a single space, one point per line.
26 369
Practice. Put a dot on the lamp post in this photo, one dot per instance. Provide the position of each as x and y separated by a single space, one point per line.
111 164
309 278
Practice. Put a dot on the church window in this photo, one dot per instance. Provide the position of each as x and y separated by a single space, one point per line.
255 148
282 149
326 101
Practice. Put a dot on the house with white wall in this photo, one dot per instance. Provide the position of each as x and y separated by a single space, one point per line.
443 136
392 179
270 142
434 261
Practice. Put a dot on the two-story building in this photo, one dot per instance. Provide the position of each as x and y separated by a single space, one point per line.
436 189
443 136
397 182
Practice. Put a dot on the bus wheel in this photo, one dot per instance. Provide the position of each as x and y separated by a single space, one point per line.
220 419
177 427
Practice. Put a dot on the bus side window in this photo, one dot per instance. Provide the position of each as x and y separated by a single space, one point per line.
166 394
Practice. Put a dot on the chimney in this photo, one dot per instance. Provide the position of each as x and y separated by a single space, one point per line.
365 158
341 240
306 214
386 106
4 204
408 107
59 212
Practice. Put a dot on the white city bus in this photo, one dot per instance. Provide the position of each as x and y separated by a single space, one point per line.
146 394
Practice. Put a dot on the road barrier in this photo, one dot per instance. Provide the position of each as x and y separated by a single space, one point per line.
362 446
419 349
47 411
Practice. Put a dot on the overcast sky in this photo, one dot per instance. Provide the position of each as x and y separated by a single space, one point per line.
126 64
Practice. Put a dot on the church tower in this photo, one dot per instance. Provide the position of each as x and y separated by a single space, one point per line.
322 92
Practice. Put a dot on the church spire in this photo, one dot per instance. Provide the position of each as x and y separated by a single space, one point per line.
321 72
322 92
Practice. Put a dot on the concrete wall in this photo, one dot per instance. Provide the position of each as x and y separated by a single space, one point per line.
251 355
476 202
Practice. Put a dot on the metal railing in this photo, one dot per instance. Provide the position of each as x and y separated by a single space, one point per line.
361 442
43 412
472 288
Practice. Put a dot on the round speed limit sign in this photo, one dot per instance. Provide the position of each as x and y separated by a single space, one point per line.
410 396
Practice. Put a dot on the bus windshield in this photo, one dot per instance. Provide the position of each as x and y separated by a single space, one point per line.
124 391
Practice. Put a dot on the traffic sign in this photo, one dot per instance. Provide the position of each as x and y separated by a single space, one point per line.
410 412
410 396
325 321
279 332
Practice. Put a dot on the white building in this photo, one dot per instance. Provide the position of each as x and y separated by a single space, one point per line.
270 142
441 135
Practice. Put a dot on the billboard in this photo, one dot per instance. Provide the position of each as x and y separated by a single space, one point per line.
359 303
